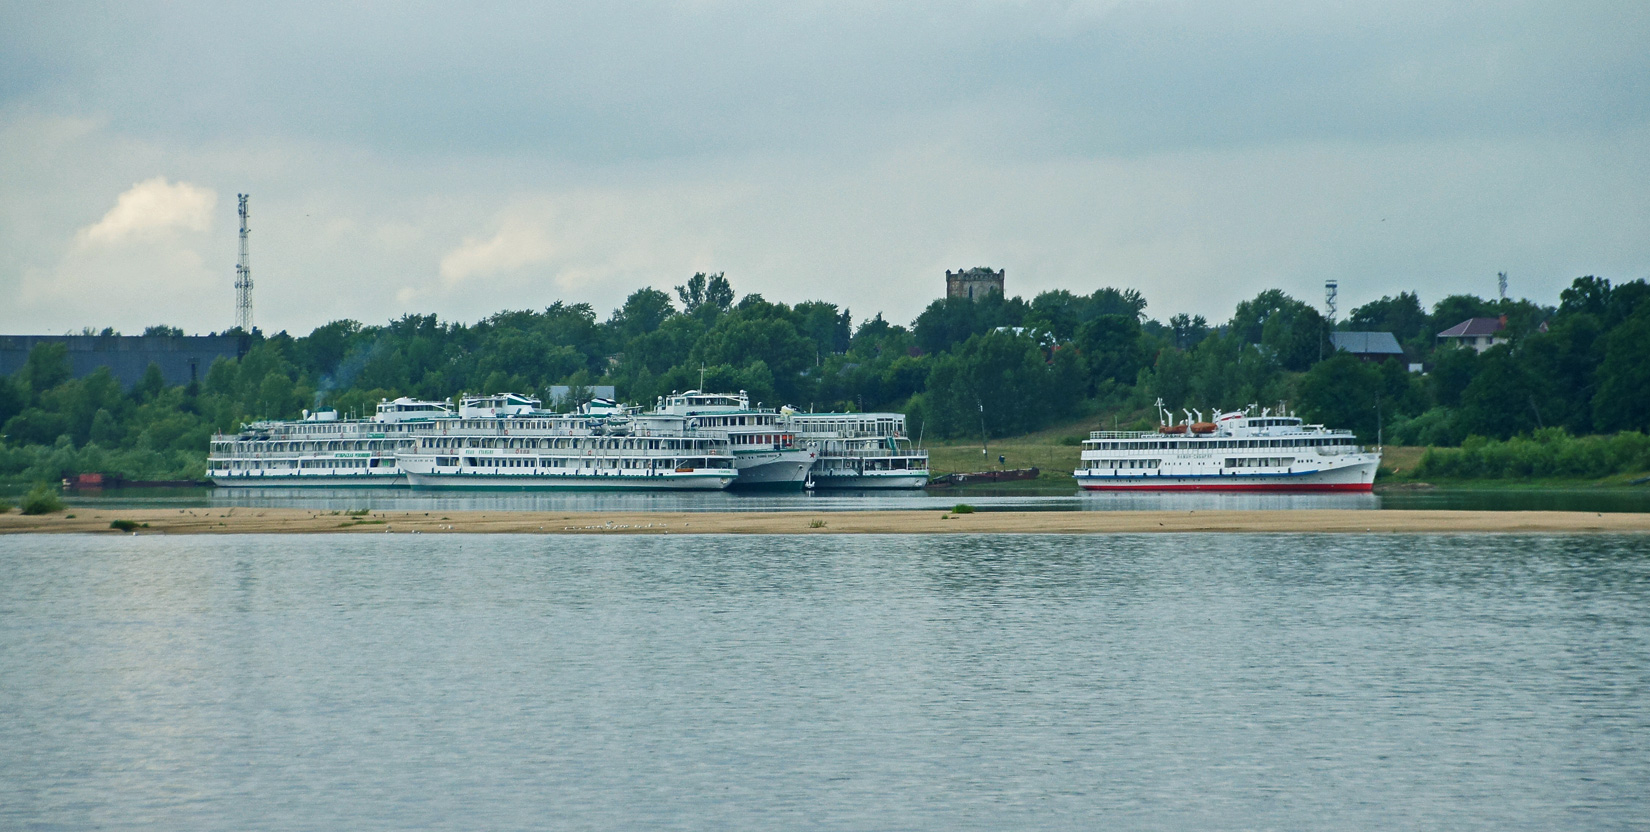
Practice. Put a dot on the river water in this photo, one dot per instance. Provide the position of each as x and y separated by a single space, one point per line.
1047 499
839 682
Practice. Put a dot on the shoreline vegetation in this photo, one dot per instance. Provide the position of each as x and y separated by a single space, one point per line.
302 521
1564 390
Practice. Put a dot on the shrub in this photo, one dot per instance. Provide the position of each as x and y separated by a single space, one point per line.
5 505
42 499
962 508
122 525
1551 452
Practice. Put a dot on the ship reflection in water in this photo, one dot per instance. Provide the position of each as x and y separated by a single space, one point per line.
832 500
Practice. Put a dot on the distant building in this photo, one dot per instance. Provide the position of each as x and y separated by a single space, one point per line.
1478 333
181 358
974 283
1369 346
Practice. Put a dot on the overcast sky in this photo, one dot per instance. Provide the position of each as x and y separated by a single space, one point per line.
465 158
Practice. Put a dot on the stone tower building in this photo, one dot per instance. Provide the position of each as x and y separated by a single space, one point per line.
974 283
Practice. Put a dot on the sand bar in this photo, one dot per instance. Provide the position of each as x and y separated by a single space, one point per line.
285 520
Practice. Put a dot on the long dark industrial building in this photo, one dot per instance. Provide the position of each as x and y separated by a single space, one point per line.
182 358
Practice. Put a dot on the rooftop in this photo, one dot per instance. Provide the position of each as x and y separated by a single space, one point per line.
1366 343
1474 327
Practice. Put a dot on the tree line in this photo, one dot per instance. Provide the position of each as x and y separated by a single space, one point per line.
1001 366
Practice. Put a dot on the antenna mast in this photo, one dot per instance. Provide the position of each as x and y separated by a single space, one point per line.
1501 282
243 278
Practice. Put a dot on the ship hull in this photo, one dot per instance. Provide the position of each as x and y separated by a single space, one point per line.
773 470
871 481
546 482
1296 488
266 480
1353 477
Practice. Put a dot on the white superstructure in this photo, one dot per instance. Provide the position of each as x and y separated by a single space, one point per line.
576 451
765 452
860 450
322 450
1241 451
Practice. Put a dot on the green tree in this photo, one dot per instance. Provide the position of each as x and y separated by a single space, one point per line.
1111 349
1504 398
1623 398
1343 391
46 367
643 312
706 292
151 385
12 399
1000 377
1402 316
1294 332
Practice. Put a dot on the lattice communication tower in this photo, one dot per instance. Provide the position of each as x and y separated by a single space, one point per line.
1330 289
243 277
1501 282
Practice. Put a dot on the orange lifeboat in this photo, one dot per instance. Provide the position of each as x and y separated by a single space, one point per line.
1203 427
1171 429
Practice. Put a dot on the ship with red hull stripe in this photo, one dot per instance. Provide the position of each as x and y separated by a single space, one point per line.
1252 450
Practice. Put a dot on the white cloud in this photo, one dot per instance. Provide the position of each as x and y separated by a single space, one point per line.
153 206
518 243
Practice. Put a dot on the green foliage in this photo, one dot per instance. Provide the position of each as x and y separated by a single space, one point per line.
1013 364
124 525
999 382
706 292
951 321
1623 399
962 508
46 367
1061 313
1402 316
5 505
1344 392
1549 452
42 499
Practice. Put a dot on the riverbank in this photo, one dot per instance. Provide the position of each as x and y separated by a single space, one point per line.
299 521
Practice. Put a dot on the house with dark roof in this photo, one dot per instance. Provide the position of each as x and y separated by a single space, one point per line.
1478 333
1369 346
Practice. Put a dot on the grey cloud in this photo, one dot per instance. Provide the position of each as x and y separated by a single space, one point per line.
851 152
638 80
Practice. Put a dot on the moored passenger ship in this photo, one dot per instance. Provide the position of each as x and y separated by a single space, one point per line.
322 450
530 450
764 451
1238 451
860 450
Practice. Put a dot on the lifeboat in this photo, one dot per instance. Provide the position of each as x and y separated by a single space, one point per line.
1203 427
1176 429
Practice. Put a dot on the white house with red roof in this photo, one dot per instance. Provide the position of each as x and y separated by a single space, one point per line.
1478 333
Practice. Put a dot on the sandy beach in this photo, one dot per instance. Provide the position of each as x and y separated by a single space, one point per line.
283 521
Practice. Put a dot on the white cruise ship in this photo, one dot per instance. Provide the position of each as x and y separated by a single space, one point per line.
1241 451
322 450
599 448
764 452
859 450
